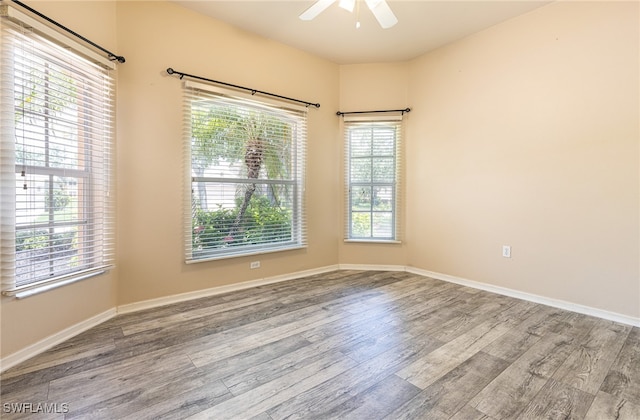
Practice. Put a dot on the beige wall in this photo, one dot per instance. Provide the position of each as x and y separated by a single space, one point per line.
527 134
157 35
29 320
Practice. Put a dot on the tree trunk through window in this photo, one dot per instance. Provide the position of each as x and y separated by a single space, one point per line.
253 158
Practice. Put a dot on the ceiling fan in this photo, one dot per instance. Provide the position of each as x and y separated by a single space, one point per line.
380 9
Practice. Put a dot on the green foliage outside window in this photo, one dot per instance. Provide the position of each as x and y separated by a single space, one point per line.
262 221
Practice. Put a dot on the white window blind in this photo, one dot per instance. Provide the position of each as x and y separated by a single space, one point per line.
373 172
56 110
246 160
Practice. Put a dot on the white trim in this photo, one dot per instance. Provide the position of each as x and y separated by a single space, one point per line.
154 303
372 267
43 286
556 303
244 253
372 118
371 241
54 339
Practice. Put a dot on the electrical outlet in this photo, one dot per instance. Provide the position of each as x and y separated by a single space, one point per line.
255 264
506 251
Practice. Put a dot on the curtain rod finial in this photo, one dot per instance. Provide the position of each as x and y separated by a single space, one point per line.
170 70
120 59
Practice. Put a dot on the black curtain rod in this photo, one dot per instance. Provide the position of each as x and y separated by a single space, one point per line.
112 56
339 113
253 91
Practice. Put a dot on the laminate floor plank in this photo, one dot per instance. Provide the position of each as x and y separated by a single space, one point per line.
609 407
438 363
469 413
449 394
318 401
469 319
256 375
270 394
587 366
56 357
346 344
178 406
623 380
508 394
557 401
211 353
376 401
107 381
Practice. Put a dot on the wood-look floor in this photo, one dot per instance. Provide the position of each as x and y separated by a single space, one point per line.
348 344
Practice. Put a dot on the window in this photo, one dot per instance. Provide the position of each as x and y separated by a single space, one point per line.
246 160
372 178
56 112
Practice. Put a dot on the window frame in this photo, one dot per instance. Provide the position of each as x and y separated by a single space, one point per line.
351 124
22 35
295 113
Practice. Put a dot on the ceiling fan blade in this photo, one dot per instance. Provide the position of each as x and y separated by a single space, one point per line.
382 12
315 9
347 5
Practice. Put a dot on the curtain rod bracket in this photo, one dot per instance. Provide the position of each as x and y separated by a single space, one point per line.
253 91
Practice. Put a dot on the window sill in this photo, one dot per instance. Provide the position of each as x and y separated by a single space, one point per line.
244 254
44 286
372 241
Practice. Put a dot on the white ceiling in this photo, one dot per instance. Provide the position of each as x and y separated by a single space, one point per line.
423 25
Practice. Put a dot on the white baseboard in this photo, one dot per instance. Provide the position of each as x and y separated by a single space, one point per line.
371 267
556 303
54 339
154 303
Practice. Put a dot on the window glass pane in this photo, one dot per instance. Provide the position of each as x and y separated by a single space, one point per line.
384 142
383 169
361 170
383 225
238 142
360 142
361 198
382 198
46 252
361 224
48 199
